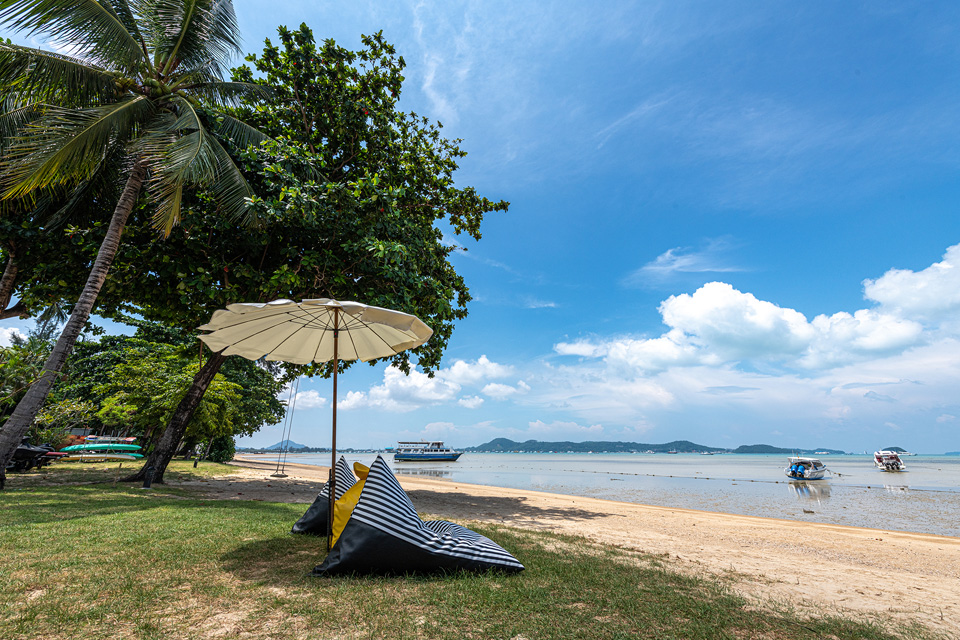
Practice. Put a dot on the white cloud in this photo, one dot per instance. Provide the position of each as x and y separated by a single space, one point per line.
470 402
709 259
843 338
534 303
470 373
310 399
6 335
929 294
578 348
400 392
503 391
560 429
403 393
718 325
737 325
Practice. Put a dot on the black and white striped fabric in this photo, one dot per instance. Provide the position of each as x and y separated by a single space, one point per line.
385 535
314 521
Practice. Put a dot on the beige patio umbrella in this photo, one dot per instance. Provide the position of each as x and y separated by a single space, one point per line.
317 330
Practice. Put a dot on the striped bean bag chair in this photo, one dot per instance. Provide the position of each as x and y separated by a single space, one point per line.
314 521
384 534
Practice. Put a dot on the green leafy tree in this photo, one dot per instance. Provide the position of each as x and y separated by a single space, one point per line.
145 88
154 385
222 449
22 362
135 382
54 422
349 200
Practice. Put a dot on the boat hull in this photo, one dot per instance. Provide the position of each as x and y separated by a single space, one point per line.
807 475
888 461
426 457
813 469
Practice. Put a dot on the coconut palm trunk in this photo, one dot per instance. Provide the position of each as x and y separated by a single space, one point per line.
13 430
7 283
169 442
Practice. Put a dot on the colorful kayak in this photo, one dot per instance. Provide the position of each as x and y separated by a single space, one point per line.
93 456
103 446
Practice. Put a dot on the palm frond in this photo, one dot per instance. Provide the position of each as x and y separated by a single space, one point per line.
128 18
14 116
225 94
91 26
241 134
66 145
195 33
231 189
184 160
93 195
192 157
34 75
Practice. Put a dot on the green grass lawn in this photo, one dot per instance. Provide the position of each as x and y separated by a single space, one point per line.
106 560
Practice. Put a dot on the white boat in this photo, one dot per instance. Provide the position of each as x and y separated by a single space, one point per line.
424 451
888 461
801 468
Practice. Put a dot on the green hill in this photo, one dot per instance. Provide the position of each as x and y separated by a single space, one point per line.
536 446
505 445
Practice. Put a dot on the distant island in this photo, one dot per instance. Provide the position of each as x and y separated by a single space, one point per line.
504 445
285 444
291 446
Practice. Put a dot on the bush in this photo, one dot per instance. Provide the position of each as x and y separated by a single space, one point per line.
222 449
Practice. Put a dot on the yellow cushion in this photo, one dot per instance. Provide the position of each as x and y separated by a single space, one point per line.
343 508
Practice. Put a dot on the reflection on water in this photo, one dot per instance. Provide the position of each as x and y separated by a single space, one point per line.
811 491
431 473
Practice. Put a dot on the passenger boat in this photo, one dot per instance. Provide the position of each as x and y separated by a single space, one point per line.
888 461
801 468
425 451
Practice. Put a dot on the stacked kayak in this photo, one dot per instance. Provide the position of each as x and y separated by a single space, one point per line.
102 449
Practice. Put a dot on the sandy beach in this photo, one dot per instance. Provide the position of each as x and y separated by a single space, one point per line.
809 566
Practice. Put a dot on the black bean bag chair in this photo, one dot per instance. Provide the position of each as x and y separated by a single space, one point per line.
314 521
383 534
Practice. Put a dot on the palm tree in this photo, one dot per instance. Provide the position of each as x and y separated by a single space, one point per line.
141 76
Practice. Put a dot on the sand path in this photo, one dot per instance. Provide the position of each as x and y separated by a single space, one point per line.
822 567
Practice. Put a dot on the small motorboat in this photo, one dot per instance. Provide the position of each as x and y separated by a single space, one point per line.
888 461
801 468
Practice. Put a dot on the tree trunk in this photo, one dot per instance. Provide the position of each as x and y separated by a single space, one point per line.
13 430
166 448
6 290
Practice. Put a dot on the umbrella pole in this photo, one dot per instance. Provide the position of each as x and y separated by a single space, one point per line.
333 446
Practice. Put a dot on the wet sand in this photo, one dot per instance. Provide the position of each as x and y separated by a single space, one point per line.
809 566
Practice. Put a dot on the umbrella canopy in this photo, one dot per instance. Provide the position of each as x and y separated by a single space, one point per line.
305 332
318 330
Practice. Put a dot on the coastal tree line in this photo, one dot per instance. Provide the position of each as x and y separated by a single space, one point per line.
146 180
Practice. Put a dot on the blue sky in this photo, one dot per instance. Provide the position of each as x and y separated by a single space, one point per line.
730 223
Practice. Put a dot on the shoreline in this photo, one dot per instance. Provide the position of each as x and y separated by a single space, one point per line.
814 566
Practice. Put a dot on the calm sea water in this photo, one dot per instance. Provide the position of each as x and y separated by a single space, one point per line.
925 498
